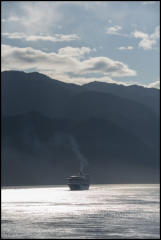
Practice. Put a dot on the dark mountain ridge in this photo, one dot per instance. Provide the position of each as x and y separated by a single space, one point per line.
116 127
147 96
38 87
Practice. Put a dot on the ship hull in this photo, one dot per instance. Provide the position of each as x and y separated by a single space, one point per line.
78 187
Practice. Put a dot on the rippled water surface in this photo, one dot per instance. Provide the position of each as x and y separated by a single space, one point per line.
103 212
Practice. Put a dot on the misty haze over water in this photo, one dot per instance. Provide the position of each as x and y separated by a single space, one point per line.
105 212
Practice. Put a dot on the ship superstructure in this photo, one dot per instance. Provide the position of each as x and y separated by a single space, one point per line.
78 182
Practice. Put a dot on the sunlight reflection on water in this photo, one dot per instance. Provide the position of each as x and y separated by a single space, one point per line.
105 211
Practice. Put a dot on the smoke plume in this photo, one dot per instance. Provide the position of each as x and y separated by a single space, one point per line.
82 159
70 141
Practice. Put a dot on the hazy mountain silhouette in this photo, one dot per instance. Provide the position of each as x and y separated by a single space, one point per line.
147 96
117 131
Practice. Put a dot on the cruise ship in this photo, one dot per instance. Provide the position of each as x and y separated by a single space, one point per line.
79 182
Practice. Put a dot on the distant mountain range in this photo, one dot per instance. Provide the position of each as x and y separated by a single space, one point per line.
115 126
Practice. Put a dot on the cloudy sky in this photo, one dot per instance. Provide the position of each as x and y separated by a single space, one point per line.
81 42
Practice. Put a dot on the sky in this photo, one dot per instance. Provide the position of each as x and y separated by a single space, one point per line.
80 42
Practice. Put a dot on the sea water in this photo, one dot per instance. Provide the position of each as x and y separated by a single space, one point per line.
103 212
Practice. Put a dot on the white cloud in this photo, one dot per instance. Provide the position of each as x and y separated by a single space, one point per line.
114 30
66 61
79 80
148 2
31 17
142 35
154 85
125 48
32 38
74 52
40 15
106 66
11 19
156 33
84 80
147 43
148 40
26 58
